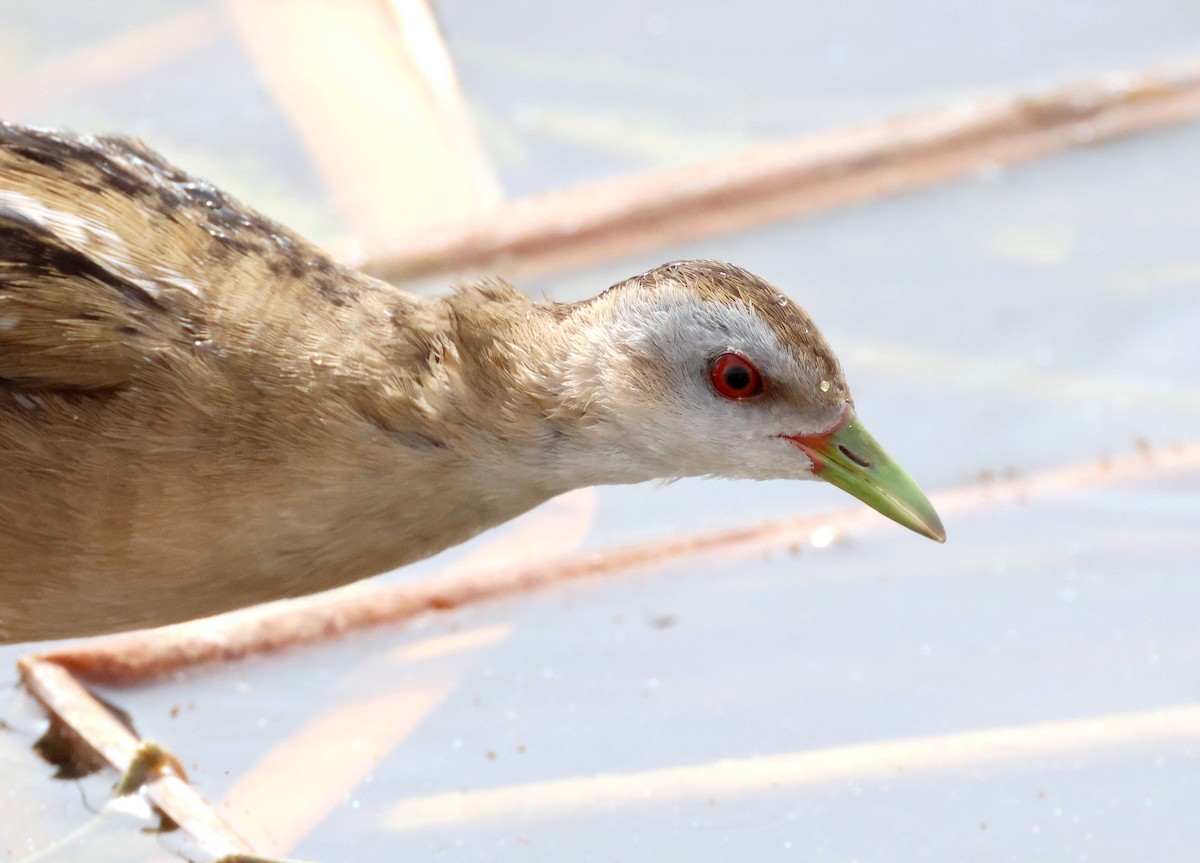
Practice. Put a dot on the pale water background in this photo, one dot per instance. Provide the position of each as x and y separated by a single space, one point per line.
1015 321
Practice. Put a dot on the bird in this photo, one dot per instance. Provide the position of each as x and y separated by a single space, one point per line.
200 410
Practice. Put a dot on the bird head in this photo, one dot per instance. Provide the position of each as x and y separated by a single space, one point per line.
698 368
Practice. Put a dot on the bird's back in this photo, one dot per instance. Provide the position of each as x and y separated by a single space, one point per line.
172 367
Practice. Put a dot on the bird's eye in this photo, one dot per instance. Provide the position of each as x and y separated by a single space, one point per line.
735 377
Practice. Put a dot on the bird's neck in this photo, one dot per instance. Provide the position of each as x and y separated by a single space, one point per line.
525 391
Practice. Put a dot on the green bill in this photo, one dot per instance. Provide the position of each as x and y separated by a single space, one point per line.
851 459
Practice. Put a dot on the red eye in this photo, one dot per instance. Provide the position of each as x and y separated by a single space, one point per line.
735 377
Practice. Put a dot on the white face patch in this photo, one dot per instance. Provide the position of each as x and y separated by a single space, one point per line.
645 359
97 241
680 322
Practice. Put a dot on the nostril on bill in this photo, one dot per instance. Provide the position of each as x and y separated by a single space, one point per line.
853 456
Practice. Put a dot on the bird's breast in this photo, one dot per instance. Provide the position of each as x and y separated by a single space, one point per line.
127 518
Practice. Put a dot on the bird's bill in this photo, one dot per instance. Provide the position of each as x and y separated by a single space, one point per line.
848 457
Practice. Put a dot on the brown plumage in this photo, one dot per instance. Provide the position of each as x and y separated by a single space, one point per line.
199 410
